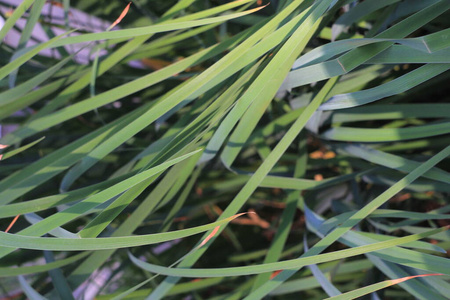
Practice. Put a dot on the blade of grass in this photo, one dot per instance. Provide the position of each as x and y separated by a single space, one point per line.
376 287
289 264
16 15
82 244
394 87
58 279
8 271
27 54
28 290
25 35
386 134
19 150
129 33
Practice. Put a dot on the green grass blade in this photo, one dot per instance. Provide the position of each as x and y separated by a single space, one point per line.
65 244
17 14
19 150
8 271
396 86
28 290
129 33
7 97
27 54
372 288
58 279
289 264
386 134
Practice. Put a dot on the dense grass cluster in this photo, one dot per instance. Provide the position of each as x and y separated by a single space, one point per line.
308 141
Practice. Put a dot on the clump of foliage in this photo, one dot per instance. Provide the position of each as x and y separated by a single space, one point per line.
324 122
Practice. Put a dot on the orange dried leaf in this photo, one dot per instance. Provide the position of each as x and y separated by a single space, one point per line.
12 223
213 233
275 274
256 220
400 280
241 214
122 15
216 229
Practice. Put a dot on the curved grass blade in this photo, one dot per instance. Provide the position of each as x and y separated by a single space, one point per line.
82 244
375 287
394 87
284 265
8 271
